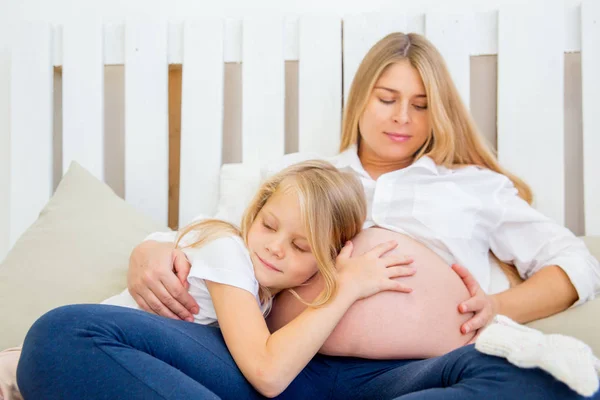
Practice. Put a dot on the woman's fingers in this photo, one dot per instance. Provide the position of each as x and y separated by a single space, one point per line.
181 267
477 322
176 297
474 339
474 304
467 278
149 302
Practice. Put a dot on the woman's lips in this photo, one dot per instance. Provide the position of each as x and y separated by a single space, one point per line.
398 137
270 266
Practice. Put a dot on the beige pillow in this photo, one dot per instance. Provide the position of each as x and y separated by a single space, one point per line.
582 322
77 251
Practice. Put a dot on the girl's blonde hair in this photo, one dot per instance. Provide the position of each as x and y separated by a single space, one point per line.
454 140
332 205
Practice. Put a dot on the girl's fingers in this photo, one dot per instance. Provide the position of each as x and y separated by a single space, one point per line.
397 260
382 248
397 272
397 286
346 251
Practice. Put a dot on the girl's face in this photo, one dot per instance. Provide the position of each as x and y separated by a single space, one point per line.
278 247
395 123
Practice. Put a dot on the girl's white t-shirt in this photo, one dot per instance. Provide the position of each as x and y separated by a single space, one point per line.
225 260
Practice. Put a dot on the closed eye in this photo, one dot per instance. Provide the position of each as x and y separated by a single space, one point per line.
300 249
268 226
387 101
418 107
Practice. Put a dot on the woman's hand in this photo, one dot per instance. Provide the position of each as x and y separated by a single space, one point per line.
157 280
484 306
370 273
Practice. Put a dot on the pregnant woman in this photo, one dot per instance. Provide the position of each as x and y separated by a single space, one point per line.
433 186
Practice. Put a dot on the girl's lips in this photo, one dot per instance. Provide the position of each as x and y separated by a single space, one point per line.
398 137
270 266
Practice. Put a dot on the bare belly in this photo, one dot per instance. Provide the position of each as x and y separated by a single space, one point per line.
425 323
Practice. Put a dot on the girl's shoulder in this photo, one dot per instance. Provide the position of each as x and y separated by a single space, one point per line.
222 244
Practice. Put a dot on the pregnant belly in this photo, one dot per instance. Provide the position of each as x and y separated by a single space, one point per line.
422 324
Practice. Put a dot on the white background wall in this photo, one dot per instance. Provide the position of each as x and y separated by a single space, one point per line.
61 11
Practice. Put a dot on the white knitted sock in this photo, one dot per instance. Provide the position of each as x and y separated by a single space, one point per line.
567 359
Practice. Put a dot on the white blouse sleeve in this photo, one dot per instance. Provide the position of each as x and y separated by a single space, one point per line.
532 241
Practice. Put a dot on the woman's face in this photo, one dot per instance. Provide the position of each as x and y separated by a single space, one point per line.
395 123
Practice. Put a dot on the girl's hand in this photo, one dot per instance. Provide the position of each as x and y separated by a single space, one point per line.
371 273
484 306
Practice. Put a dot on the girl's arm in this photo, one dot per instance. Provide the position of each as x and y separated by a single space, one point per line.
270 362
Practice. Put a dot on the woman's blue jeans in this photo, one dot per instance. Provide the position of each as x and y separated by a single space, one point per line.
106 352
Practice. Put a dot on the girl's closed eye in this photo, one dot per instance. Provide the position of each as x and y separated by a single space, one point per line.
386 101
300 248
420 107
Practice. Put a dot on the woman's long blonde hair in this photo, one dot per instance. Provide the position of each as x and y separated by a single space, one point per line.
454 140
332 205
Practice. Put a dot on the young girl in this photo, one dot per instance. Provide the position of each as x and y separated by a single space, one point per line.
295 227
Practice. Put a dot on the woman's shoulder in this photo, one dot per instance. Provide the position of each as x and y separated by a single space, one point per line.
490 187
482 176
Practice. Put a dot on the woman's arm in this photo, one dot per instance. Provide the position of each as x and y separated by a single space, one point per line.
550 287
558 269
541 248
270 362
157 280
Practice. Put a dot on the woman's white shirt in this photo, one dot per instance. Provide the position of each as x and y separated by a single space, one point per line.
462 214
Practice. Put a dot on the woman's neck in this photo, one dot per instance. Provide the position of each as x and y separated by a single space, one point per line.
376 167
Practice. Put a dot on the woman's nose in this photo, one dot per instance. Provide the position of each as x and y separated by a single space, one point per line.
401 115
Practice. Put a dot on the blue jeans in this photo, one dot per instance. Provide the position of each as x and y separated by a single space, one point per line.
106 352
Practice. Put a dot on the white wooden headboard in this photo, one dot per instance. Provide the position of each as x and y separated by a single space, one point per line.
530 45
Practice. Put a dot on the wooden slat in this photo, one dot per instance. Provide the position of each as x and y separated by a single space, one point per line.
31 125
201 118
146 125
590 66
175 78
451 34
320 85
361 32
263 90
83 96
530 102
